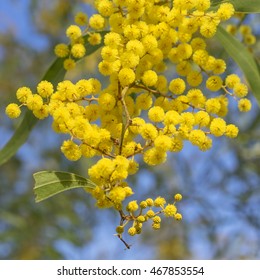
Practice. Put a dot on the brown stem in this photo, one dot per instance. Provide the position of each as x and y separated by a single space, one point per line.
127 116
127 245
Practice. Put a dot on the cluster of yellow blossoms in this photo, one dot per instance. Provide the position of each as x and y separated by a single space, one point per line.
145 111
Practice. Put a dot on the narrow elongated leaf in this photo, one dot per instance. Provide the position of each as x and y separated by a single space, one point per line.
243 6
54 74
243 58
246 6
49 183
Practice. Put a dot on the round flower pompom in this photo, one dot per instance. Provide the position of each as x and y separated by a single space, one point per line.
178 216
214 83
170 210
149 78
156 114
231 80
45 89
61 50
231 131
126 76
73 32
240 90
178 197
132 231
69 64
96 22
78 50
244 105
71 150
23 93
217 127
177 86
81 18
34 102
94 39
225 11
13 111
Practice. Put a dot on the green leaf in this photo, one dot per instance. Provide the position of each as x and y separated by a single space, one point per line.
246 6
54 74
49 183
243 58
243 6
19 137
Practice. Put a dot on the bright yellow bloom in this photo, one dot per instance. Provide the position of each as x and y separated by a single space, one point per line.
61 50
178 197
34 102
225 11
244 105
159 202
96 22
126 76
132 206
217 127
240 90
13 111
177 86
214 83
73 32
231 80
231 131
71 150
148 131
45 89
23 93
149 78
170 210
78 50
156 114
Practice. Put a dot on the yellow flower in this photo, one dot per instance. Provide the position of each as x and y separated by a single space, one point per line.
61 50
170 210
155 156
23 93
96 22
148 131
73 32
71 150
159 202
149 78
231 131
244 105
45 89
132 206
126 76
177 86
81 18
225 11
240 90
156 114
13 111
214 83
78 50
217 127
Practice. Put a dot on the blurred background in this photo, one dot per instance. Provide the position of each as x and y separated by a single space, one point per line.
221 187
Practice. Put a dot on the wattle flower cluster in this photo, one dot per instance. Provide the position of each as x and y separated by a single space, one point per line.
146 111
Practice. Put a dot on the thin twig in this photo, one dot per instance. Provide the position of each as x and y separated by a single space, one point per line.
127 116
127 245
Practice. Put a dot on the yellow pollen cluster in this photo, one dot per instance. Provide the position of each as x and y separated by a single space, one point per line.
144 113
